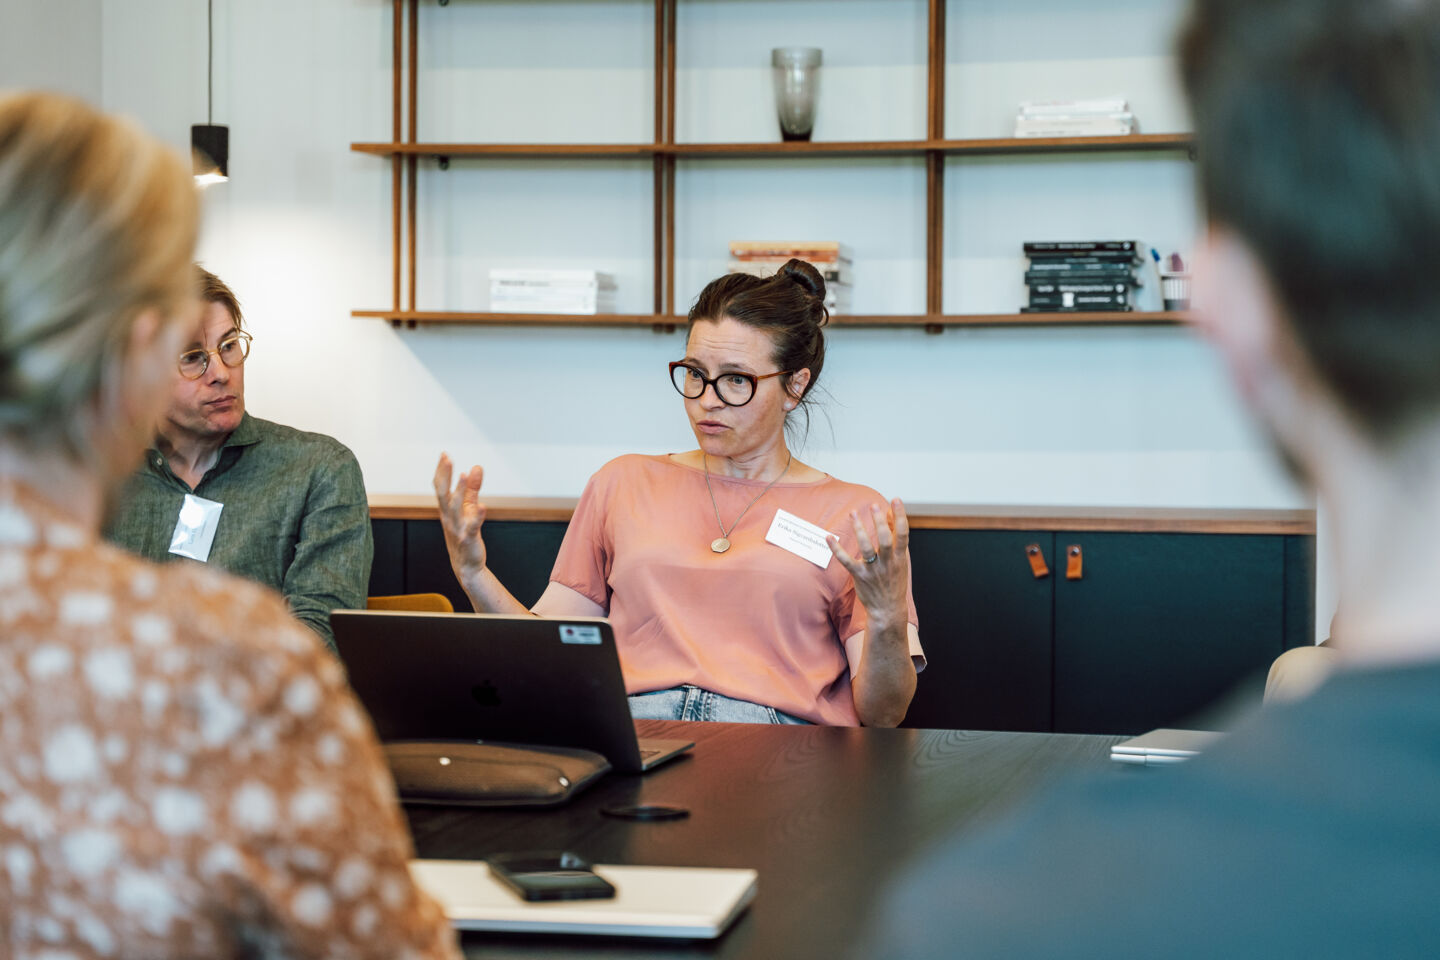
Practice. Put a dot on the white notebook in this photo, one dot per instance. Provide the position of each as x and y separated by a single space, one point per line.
689 902
1163 746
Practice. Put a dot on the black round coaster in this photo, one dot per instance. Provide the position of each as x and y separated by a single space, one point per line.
646 811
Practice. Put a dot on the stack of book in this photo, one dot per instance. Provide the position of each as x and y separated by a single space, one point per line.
1105 117
832 258
552 291
1082 275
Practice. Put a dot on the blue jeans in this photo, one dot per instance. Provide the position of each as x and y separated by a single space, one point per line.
692 703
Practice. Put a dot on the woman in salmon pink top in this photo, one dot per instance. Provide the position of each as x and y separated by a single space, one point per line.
742 584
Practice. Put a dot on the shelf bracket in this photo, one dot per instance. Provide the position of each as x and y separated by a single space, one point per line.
444 3
444 162
664 328
934 328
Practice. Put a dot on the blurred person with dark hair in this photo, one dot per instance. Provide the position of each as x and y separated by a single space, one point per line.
731 596
183 770
280 506
1313 829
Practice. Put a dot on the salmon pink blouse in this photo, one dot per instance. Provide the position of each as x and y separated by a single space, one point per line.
757 622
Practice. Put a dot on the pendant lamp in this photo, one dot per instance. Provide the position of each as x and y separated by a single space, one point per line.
209 141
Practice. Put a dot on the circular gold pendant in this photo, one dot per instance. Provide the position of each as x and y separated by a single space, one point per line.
719 545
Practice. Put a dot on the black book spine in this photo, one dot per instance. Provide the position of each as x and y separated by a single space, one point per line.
1084 276
1079 287
1082 246
1079 301
1116 309
1080 263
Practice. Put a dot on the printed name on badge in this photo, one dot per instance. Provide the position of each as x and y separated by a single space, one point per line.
800 537
195 529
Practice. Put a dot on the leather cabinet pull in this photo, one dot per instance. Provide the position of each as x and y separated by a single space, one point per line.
1036 556
1073 562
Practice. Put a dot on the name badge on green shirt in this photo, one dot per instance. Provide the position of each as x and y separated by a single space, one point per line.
195 530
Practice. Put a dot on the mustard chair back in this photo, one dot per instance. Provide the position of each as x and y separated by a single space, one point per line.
417 602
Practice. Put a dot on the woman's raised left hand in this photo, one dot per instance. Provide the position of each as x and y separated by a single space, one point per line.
882 571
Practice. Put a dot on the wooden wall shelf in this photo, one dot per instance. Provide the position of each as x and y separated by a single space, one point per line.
404 150
579 151
413 318
999 146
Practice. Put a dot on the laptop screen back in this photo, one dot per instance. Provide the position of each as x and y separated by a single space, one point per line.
468 676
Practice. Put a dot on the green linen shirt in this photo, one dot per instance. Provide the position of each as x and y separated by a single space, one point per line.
296 517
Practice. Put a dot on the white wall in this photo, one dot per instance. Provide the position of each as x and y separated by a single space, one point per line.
51 45
1101 416
1105 416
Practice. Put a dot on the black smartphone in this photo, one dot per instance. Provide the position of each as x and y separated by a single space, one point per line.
549 876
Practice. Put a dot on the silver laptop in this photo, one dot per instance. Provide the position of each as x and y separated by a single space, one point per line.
473 676
1166 745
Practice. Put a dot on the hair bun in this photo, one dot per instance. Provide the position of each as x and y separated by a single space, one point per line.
806 276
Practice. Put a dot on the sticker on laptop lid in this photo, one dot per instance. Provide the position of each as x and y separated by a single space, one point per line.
579 633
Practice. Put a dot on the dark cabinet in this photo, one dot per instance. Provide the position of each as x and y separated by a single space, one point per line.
1156 627
410 557
986 624
1160 626
387 570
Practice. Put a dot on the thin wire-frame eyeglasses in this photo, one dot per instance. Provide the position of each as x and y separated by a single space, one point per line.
232 352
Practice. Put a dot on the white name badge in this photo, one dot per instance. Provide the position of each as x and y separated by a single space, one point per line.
800 537
195 530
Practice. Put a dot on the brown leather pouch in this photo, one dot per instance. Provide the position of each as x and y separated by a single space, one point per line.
486 774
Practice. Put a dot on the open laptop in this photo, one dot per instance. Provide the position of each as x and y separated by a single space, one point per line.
474 676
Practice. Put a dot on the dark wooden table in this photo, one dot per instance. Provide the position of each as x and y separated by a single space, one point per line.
825 814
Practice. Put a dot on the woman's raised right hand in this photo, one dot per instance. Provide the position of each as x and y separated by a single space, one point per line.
461 514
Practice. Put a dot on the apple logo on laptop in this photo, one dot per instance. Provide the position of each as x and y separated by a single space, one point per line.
486 695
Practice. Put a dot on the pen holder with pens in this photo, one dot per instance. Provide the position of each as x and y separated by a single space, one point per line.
1175 290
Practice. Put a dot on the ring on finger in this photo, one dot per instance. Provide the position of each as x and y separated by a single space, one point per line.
872 558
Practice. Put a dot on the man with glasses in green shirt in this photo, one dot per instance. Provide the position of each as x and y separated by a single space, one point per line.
264 501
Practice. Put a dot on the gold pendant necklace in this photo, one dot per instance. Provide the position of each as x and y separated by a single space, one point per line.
722 543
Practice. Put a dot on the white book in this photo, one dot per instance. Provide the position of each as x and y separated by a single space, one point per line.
837 272
590 301
1110 120
1075 130
550 306
533 275
1092 105
583 309
557 299
564 285
557 304
534 294
552 290
1123 116
569 292
695 903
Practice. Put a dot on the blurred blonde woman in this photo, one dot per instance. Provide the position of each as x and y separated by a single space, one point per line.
183 772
